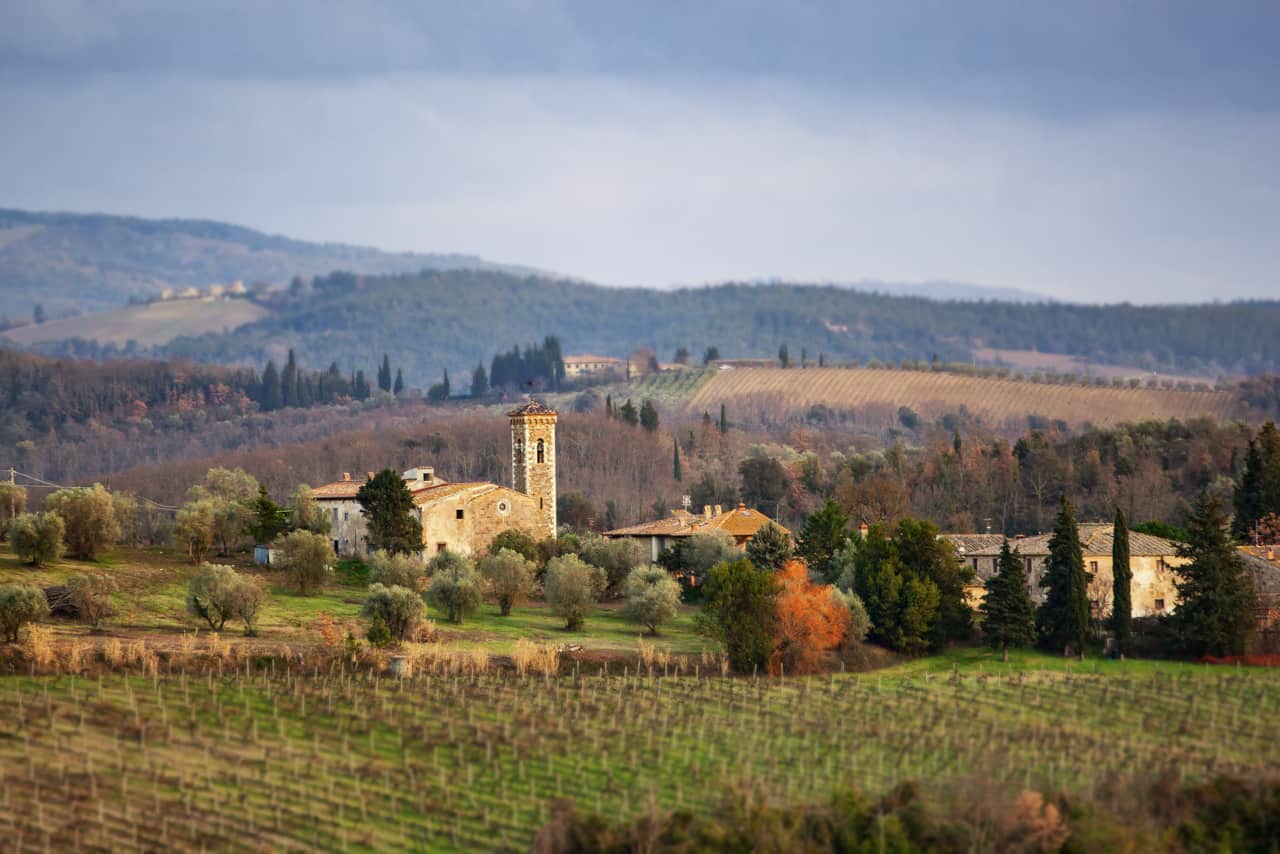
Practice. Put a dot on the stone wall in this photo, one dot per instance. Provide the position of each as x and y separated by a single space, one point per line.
484 515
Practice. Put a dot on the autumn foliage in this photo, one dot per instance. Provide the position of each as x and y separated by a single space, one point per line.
810 621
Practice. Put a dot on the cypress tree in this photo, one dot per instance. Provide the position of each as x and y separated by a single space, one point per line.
398 385
1063 619
784 358
1008 615
675 460
272 397
724 420
384 374
629 413
447 390
1216 596
1248 495
1121 580
479 382
289 381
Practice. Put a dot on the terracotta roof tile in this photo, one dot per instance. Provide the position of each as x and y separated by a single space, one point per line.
738 522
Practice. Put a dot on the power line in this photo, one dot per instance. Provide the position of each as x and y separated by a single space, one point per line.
35 482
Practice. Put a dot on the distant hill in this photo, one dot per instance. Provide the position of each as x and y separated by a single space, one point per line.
92 262
451 319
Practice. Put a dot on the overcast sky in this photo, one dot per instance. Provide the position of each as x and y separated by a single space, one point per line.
1093 151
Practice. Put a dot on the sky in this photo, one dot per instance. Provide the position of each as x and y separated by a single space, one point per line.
1087 151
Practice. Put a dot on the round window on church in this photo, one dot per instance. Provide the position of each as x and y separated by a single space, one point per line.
503 508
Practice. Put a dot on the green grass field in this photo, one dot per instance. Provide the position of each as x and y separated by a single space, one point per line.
151 603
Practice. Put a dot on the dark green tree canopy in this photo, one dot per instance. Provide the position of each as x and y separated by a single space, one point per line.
1121 583
1217 600
769 548
739 609
1008 614
389 513
1062 620
824 531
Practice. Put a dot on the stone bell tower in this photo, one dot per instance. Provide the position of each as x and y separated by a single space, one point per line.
533 458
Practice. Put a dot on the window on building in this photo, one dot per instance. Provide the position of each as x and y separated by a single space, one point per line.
541 452
441 547
346 514
335 514
1159 604
1028 562
975 564
1160 564
539 503
461 513
1093 567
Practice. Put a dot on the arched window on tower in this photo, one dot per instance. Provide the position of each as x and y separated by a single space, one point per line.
542 457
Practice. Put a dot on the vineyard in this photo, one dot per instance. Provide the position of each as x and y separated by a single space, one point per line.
769 395
286 755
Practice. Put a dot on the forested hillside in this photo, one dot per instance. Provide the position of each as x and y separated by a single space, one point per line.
430 321
74 262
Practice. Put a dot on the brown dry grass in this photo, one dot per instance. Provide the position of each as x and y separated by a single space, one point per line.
774 392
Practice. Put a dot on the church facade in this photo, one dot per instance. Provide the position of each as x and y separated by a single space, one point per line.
463 517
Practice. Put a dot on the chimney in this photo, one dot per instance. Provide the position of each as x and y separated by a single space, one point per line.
346 475
718 510
862 530
706 511
370 474
742 507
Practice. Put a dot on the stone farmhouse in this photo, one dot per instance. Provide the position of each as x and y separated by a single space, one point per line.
740 523
587 365
463 517
1152 560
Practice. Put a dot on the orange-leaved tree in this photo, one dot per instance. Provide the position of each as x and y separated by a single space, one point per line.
811 619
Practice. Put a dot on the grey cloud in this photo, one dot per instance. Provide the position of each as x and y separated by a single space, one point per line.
633 182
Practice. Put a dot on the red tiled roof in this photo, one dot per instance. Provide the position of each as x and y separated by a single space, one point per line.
738 522
347 489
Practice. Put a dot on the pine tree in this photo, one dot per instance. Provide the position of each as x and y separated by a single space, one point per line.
1008 615
289 381
648 416
1216 596
824 532
479 381
724 420
271 398
384 373
398 385
675 460
1121 580
1062 621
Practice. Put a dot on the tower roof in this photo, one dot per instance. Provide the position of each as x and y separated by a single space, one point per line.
531 408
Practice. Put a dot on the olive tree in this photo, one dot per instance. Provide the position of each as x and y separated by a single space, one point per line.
651 597
218 593
37 537
508 577
454 587
90 595
306 557
396 570
616 557
398 608
13 502
90 517
20 605
193 528
307 514
571 587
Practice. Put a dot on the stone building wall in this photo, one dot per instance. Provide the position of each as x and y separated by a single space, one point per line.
483 516
532 474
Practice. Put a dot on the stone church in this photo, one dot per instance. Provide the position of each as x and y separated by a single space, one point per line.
464 517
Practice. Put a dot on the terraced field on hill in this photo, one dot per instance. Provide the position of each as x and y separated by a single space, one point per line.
150 325
772 394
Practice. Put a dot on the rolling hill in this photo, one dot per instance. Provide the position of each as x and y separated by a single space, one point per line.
147 324
92 262
876 395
